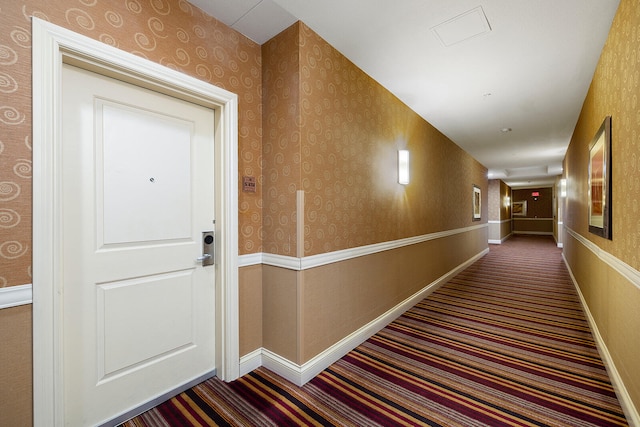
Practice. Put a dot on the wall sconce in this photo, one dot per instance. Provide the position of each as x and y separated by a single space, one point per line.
403 167
507 202
563 187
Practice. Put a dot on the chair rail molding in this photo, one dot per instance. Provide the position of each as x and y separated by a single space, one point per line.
14 296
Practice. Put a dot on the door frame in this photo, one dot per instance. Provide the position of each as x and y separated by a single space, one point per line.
53 46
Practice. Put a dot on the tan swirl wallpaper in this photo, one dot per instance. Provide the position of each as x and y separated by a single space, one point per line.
499 209
281 141
614 91
329 130
495 199
337 140
170 32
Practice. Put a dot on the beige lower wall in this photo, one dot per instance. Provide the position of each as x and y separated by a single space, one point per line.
506 228
16 365
340 298
494 232
499 231
534 226
306 312
613 302
16 354
280 332
295 314
250 308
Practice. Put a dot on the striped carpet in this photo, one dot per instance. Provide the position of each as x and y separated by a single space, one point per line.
504 343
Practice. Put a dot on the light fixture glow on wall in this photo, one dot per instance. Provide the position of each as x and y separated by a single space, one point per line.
507 202
563 188
403 167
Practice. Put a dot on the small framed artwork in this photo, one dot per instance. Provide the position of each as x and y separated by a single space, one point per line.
600 181
519 208
477 203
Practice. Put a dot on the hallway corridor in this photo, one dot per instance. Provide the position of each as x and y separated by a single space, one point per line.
504 343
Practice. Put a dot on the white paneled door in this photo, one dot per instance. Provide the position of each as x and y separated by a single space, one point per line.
137 194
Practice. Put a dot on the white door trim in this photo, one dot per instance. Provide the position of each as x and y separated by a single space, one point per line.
53 46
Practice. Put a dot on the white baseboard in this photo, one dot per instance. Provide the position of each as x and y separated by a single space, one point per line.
301 374
499 242
630 411
283 367
250 361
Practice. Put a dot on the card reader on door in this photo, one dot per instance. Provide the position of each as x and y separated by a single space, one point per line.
208 248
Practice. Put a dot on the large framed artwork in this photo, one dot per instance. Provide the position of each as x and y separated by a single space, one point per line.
600 181
477 203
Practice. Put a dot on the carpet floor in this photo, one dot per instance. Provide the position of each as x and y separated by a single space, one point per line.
504 343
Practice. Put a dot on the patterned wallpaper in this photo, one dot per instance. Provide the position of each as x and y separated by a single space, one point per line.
335 134
281 141
329 130
351 130
498 192
495 200
614 91
505 210
170 32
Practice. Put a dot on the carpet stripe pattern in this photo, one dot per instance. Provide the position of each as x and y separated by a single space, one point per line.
504 343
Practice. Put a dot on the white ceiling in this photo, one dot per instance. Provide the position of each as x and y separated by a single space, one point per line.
471 68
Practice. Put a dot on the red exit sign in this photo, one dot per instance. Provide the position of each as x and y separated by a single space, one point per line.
535 194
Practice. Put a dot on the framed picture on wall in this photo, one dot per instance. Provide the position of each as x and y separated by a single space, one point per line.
600 181
519 208
477 203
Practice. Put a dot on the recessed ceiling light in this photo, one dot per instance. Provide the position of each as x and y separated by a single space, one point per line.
505 130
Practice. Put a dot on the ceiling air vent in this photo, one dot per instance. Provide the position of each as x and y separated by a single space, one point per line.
463 27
